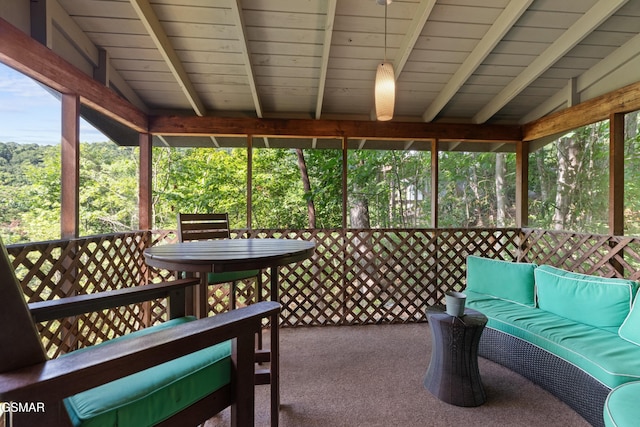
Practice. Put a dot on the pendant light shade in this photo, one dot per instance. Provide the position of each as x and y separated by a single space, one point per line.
385 91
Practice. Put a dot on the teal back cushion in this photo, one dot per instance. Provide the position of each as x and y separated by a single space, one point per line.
630 329
509 281
592 300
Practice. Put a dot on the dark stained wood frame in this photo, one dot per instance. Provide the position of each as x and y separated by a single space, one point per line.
26 376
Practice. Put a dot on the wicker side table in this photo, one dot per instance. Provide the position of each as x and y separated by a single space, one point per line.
453 375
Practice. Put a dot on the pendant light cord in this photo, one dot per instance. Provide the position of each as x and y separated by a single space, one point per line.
385 31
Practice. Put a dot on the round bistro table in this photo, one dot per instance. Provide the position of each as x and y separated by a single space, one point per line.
453 375
224 255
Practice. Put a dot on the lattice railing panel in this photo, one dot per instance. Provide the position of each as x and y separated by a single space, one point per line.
310 290
389 275
454 245
354 276
58 269
601 255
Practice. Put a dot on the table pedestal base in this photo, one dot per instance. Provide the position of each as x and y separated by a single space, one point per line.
453 375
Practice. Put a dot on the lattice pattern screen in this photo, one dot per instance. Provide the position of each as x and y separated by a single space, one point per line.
601 255
354 277
59 269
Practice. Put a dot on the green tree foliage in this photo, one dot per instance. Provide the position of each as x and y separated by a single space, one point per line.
568 182
108 188
393 186
568 187
467 190
199 180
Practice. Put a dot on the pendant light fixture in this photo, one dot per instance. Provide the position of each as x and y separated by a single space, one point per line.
385 88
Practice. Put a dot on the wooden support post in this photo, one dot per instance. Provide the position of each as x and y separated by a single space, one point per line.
145 216
249 181
616 186
70 167
522 184
434 183
616 174
344 182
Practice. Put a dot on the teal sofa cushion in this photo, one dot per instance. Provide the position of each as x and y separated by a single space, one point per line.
630 329
596 301
153 395
509 281
621 407
599 352
231 276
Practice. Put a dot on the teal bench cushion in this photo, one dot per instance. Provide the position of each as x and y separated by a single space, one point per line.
630 329
509 281
155 394
599 352
231 276
596 301
621 407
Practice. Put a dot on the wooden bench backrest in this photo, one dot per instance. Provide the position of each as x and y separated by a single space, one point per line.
20 343
203 226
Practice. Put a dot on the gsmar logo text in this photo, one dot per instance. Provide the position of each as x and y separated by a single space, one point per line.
14 407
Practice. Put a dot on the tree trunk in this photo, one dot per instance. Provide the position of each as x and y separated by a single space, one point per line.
501 171
568 150
477 209
359 214
304 174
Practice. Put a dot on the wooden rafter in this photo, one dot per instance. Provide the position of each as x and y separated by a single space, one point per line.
150 20
32 59
613 61
326 50
411 37
505 21
570 38
246 54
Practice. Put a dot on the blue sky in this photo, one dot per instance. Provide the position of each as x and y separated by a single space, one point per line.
30 114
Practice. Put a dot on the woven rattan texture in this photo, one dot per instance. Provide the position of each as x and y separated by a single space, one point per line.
570 384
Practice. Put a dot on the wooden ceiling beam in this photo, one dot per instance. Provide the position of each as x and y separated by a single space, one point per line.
505 21
309 128
570 38
24 54
238 21
623 100
152 24
413 33
326 50
593 75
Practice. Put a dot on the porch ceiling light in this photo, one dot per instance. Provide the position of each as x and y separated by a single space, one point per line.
385 86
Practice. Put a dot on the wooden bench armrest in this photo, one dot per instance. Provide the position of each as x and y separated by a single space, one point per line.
73 373
80 304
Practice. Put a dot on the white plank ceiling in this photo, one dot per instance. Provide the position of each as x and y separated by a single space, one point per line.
470 61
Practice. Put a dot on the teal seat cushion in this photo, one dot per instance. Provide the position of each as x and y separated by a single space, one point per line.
153 395
621 407
231 276
600 352
596 301
509 281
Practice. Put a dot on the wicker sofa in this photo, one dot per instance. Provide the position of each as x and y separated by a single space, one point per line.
575 335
